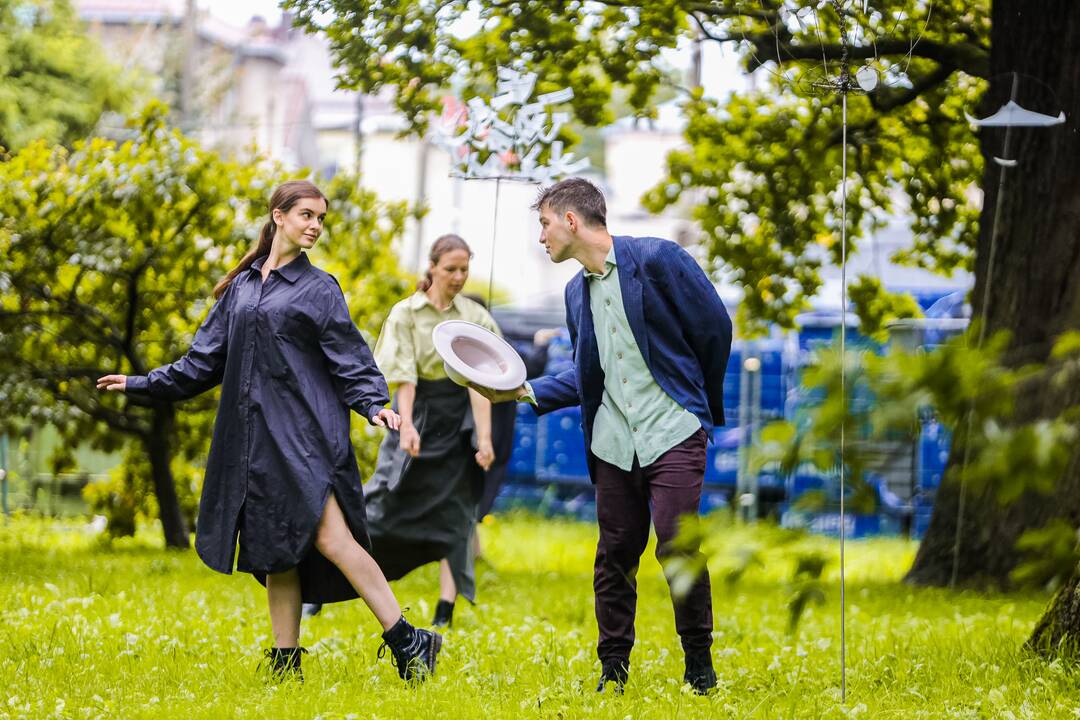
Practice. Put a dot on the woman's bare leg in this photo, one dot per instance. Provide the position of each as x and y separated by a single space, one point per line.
447 588
283 595
336 543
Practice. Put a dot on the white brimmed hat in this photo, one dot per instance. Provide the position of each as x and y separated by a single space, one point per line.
472 353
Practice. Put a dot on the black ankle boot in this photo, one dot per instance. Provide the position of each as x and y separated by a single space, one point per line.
444 614
614 671
285 664
412 650
699 672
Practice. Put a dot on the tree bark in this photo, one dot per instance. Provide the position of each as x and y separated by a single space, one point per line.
1033 288
158 446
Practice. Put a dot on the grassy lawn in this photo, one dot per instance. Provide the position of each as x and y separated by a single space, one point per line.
91 630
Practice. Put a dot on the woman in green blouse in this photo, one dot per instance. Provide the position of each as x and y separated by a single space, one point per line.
421 501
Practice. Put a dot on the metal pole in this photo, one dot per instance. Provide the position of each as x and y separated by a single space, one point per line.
494 235
4 473
843 387
358 135
187 69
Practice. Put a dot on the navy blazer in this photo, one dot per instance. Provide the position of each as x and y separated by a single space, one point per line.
678 321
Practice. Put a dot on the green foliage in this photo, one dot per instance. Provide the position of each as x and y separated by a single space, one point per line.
970 390
877 307
108 255
1053 554
765 163
54 80
118 499
807 587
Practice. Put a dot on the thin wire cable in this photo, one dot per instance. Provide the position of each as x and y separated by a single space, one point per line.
494 235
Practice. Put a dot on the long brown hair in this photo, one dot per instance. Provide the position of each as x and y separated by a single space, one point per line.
442 245
285 196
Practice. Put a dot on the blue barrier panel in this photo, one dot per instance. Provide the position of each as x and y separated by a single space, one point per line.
561 447
828 523
522 465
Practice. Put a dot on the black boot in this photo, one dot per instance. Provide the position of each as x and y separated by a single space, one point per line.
444 614
285 664
413 650
614 671
699 672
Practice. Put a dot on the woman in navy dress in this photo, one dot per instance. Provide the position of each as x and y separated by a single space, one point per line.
281 475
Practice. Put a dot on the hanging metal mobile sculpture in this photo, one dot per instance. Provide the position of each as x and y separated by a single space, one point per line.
510 137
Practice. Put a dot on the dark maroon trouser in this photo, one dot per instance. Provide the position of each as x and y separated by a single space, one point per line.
671 486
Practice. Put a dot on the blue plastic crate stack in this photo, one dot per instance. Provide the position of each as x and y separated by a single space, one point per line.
548 463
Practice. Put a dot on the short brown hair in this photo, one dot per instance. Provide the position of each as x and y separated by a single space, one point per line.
577 195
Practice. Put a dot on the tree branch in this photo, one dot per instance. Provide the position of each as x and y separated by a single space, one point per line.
115 419
967 57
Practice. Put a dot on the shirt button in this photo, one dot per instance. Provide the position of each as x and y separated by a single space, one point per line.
618 355
607 302
635 429
612 331
624 381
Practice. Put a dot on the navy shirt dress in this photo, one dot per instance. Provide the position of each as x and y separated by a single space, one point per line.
291 364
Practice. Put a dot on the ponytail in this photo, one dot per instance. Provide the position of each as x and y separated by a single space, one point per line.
284 197
424 284
266 239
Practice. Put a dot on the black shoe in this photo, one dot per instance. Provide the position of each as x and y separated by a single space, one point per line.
284 664
311 609
699 672
614 671
412 650
444 614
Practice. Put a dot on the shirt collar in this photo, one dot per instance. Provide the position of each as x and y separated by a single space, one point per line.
609 264
419 299
290 271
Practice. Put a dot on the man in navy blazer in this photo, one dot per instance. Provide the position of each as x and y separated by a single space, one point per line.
651 340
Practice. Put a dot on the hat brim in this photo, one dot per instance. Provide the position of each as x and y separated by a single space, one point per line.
473 354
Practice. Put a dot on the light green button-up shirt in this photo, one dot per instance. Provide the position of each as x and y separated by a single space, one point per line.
405 351
636 416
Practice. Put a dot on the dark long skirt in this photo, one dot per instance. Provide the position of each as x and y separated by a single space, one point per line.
503 417
423 509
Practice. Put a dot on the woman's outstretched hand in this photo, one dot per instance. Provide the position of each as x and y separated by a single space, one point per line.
386 418
115 383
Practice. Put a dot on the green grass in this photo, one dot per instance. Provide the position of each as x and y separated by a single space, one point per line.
89 630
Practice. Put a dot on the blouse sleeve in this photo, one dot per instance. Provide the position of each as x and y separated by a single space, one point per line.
200 369
395 352
350 361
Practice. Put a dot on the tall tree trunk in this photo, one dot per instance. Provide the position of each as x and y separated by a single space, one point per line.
159 449
1033 289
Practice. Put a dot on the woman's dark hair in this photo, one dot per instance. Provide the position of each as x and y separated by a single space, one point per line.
285 196
441 246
